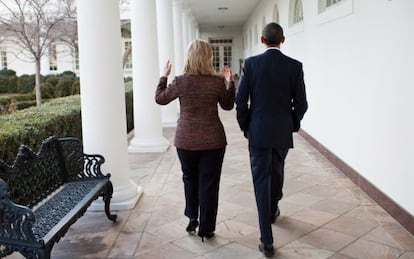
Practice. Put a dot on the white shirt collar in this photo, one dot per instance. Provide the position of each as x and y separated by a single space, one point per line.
272 48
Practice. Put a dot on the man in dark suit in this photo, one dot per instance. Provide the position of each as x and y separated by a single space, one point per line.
271 102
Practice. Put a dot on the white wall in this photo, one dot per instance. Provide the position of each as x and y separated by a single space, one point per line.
358 60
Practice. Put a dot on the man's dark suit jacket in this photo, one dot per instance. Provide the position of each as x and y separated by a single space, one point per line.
271 99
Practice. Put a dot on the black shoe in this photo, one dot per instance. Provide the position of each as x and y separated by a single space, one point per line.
192 225
205 235
267 250
276 215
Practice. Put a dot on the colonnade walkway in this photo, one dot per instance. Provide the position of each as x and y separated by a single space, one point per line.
323 214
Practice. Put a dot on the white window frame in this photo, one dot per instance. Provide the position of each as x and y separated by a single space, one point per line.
276 14
296 12
335 11
263 22
220 46
3 56
128 63
52 53
295 25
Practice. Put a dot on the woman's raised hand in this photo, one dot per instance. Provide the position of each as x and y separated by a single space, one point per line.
227 73
167 68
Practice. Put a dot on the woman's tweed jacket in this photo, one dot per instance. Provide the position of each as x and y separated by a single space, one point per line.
199 126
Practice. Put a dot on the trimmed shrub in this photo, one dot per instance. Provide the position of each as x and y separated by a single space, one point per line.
48 91
25 97
4 85
60 117
76 87
25 84
129 105
64 87
8 81
52 79
68 74
25 104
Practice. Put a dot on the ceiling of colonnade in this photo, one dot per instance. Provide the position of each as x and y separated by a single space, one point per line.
211 14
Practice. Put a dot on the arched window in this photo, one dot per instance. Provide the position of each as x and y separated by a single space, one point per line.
332 2
250 38
3 59
324 4
296 12
256 34
276 14
263 22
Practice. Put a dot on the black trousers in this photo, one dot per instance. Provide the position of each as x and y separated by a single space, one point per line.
201 177
267 165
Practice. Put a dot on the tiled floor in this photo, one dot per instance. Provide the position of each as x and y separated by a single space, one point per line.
323 214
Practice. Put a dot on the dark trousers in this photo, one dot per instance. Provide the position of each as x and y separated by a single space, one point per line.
201 177
267 165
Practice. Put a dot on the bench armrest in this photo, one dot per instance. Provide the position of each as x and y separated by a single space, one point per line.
92 166
16 221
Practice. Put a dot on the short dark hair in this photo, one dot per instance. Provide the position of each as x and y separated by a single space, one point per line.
272 34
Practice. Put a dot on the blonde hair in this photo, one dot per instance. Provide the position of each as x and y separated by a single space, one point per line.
199 60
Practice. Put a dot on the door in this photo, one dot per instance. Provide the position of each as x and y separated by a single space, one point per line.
222 52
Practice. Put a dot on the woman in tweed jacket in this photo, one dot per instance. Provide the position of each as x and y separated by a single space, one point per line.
199 138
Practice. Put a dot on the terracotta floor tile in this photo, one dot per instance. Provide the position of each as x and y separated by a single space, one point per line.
193 244
287 230
351 226
367 249
328 239
233 230
333 206
233 250
298 250
314 217
407 255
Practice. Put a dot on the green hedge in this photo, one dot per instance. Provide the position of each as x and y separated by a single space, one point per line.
59 117
8 81
129 103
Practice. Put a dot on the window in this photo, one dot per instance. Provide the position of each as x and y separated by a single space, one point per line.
76 59
128 63
250 38
222 52
263 22
332 2
256 34
3 55
52 57
276 14
298 12
331 10
324 4
295 12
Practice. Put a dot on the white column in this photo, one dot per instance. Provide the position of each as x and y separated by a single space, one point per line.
178 37
185 29
166 51
103 96
191 26
197 32
145 69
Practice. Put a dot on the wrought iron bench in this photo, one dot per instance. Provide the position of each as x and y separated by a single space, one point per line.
42 194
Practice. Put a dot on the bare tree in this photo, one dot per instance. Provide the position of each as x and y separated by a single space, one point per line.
68 35
31 25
